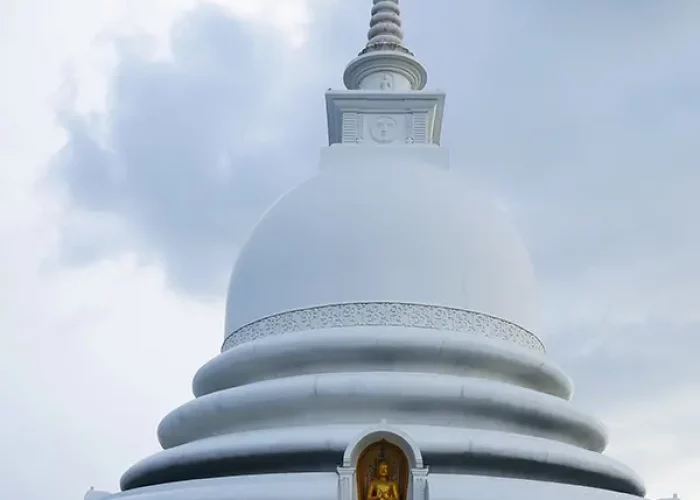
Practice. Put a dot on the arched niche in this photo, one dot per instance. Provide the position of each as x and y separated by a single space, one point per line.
372 456
348 480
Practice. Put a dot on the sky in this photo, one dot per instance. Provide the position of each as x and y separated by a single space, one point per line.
140 141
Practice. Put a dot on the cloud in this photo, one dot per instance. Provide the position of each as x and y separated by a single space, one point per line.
585 120
639 378
582 116
192 148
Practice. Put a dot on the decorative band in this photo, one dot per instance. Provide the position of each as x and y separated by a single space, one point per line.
385 314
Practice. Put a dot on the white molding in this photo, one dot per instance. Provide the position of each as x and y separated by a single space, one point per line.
448 440
346 483
354 349
431 399
419 484
391 434
351 114
393 62
385 314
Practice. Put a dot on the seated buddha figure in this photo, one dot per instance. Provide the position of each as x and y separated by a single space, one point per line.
382 487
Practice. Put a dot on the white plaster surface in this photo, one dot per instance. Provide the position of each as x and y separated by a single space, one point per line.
398 119
323 486
383 431
428 439
381 348
376 232
406 398
373 314
385 55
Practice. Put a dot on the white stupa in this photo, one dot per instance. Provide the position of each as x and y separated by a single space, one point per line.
381 312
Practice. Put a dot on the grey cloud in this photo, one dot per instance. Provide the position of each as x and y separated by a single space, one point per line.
187 153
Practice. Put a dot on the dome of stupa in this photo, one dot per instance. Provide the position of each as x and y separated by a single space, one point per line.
382 232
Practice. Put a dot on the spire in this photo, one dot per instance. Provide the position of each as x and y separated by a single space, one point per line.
385 63
385 103
385 27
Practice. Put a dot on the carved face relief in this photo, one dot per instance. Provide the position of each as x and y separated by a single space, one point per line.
384 129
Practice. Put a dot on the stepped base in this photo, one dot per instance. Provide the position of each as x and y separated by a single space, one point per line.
321 449
324 486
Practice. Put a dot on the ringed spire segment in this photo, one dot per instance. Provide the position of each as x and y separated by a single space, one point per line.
385 63
385 25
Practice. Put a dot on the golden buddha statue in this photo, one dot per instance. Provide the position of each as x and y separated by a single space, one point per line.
382 487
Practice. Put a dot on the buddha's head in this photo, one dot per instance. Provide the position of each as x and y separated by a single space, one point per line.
383 470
